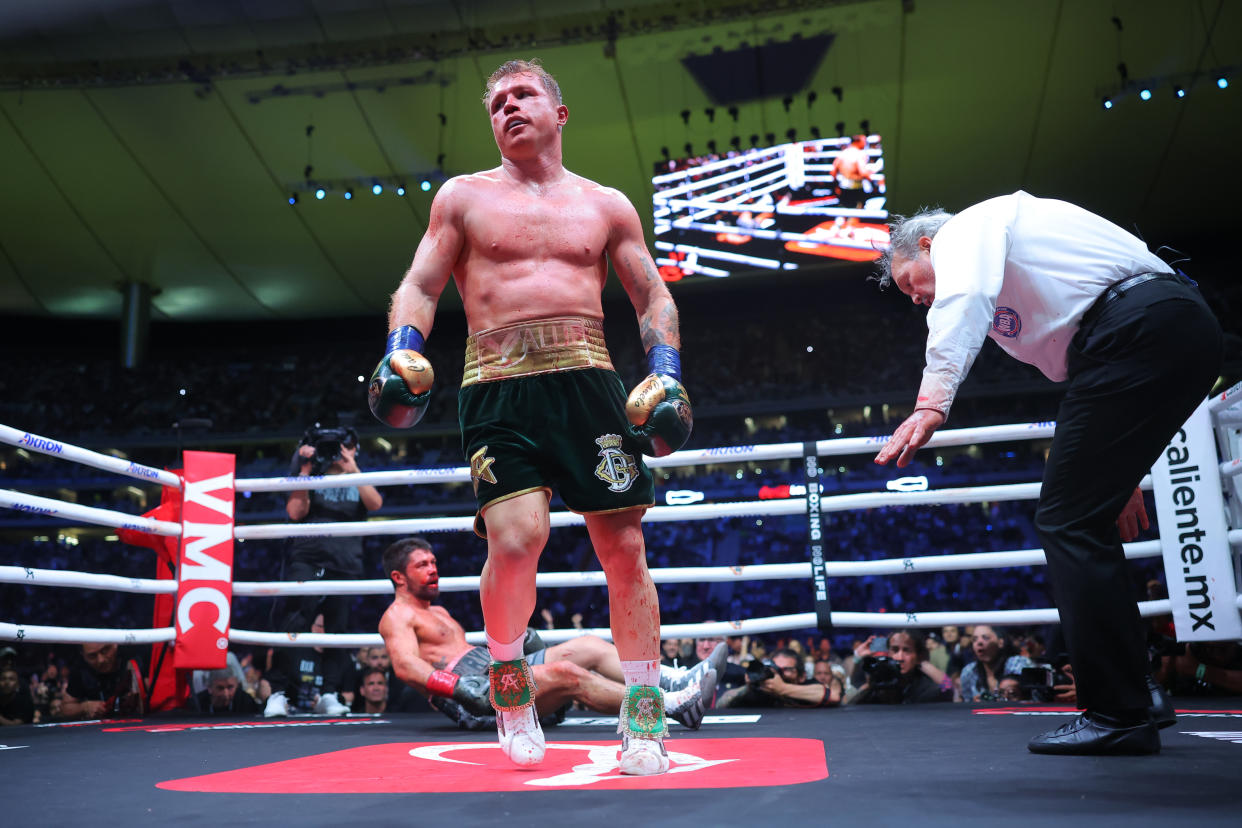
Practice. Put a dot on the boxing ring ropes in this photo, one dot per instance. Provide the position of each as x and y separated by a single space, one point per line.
1225 410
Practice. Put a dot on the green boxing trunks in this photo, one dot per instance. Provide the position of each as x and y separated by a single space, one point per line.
541 408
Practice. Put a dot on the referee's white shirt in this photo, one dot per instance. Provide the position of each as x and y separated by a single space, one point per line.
1022 270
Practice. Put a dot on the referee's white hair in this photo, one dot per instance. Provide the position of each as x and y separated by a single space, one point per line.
904 234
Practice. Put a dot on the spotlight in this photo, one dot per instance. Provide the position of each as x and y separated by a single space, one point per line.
424 185
1222 82
349 194
320 193
376 188
400 190
1108 103
293 199
1145 94
1179 92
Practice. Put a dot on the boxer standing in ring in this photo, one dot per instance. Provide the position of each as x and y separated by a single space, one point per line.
528 244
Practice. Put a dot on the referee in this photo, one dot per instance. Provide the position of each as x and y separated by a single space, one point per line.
1086 302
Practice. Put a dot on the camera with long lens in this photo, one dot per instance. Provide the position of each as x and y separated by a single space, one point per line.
882 672
1037 682
328 443
757 672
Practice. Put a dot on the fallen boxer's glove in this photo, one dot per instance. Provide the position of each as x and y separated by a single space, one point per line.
659 407
401 384
468 691
463 717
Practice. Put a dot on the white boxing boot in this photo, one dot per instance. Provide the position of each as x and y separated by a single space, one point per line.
642 730
517 723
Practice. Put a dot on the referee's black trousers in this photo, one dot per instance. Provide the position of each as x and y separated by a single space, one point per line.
1137 370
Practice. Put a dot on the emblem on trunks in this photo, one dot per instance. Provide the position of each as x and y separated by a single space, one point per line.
481 468
1006 322
617 468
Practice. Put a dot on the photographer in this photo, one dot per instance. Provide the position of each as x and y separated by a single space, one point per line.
324 451
1205 668
899 677
782 682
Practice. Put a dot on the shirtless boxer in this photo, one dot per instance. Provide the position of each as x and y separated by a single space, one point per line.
429 652
850 168
528 244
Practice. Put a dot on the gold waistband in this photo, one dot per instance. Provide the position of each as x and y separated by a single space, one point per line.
567 343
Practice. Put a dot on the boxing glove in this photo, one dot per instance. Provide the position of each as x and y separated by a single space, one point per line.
463 717
471 692
401 384
659 407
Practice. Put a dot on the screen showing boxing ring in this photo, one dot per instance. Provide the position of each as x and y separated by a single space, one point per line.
782 207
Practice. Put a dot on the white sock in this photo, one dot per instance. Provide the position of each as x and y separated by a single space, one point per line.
505 652
645 673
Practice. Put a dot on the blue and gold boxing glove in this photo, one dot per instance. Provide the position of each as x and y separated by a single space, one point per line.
659 407
401 384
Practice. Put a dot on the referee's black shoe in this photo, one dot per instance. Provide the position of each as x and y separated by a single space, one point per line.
1097 734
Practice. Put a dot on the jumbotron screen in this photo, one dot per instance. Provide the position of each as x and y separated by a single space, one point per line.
782 207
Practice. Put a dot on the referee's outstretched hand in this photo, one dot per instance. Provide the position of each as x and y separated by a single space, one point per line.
910 436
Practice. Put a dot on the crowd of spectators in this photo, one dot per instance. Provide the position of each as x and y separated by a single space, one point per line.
761 369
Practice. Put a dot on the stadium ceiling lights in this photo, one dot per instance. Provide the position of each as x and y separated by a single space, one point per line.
346 188
1145 89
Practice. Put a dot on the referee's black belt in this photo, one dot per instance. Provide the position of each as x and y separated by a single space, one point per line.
1118 289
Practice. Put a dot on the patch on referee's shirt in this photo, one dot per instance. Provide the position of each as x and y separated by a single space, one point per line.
1006 322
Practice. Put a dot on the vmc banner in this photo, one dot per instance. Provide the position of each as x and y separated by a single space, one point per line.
205 561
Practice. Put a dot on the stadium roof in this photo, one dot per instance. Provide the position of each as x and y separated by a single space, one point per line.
158 142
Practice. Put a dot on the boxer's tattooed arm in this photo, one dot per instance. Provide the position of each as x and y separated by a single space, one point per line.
658 322
440 663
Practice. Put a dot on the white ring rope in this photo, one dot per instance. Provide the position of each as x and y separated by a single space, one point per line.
85 580
1227 398
552 580
35 505
661 514
698 457
750 626
83 635
67 451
